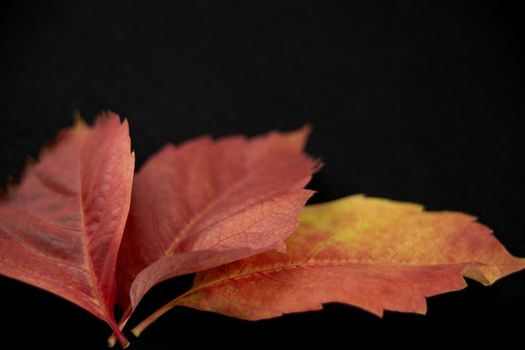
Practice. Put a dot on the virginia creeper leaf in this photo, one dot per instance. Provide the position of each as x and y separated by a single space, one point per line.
206 203
372 253
60 230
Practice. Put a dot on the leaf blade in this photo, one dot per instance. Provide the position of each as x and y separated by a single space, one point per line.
372 253
57 231
201 204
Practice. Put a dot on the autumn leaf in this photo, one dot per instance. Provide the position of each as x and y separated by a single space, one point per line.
207 203
375 254
60 230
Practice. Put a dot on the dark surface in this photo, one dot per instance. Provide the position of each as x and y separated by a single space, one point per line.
415 102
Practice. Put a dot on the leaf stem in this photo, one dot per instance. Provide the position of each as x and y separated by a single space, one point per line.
117 333
153 317
112 340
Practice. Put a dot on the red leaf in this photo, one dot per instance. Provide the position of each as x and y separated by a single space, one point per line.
206 203
60 230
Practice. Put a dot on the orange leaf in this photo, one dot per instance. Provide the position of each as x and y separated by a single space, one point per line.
207 203
372 253
60 230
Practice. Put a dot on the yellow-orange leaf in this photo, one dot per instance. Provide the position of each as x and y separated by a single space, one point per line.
373 253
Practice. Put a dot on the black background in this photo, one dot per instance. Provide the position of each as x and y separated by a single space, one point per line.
412 101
